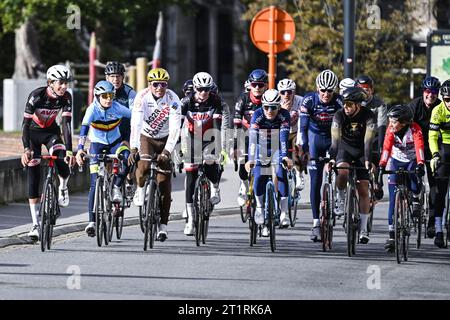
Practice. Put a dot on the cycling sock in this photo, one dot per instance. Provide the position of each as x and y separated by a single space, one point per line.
364 219
63 182
34 208
438 224
259 201
284 204
316 223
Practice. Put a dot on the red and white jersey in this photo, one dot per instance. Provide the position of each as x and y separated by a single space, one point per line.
408 148
156 119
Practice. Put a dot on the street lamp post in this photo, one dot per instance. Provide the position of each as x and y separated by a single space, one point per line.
349 38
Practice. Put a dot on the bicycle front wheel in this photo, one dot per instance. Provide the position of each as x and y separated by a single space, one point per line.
46 207
324 217
198 213
206 211
99 207
398 214
51 218
349 213
271 212
152 204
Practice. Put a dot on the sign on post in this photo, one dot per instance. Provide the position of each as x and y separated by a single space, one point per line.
438 54
272 31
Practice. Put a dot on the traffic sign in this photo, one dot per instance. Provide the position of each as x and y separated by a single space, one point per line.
281 36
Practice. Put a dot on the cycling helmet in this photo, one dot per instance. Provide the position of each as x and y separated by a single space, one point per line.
401 113
103 86
445 89
258 75
202 80
58 72
247 85
158 74
431 83
286 84
188 86
271 97
345 84
354 94
114 67
363 79
327 80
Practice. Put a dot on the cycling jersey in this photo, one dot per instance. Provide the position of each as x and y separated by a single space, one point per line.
356 131
125 96
422 116
246 105
294 112
156 119
316 117
261 130
439 123
404 149
41 111
104 123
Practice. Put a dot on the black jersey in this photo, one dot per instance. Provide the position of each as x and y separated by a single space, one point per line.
40 114
357 131
246 105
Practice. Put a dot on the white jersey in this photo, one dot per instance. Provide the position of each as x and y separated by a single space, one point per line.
295 113
156 119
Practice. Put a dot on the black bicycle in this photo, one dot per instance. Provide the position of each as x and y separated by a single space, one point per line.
49 210
327 216
152 201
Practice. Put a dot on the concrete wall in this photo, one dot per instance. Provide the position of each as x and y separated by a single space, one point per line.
15 95
14 186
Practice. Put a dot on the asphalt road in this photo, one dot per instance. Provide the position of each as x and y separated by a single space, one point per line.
225 268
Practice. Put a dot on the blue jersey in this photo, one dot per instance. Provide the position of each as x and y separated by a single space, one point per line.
316 117
104 123
261 132
125 96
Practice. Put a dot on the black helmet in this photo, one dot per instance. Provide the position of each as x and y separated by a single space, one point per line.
354 94
363 79
114 67
401 113
445 89
188 86
431 83
258 75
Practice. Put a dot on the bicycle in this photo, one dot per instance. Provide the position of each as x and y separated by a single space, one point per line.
116 216
293 195
372 200
152 200
402 213
102 198
327 216
202 205
351 212
49 207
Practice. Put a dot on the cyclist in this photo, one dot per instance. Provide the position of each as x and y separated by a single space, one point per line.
246 105
440 150
422 108
346 83
403 145
155 128
103 116
40 128
269 120
314 137
247 85
291 102
352 133
201 112
188 87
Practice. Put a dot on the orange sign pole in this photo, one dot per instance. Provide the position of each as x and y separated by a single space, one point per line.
272 39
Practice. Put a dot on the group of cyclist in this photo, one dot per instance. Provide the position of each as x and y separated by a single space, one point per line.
270 128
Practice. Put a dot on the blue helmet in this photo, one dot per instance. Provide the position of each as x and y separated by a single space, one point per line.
431 83
103 86
258 75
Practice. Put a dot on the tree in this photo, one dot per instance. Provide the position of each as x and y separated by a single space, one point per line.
381 52
42 26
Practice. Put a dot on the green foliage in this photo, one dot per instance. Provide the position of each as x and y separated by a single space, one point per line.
381 53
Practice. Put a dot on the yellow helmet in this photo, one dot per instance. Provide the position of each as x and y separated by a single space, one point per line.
158 74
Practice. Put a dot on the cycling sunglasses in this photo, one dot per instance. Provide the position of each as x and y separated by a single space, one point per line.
288 92
270 107
258 84
107 96
203 89
327 90
446 100
159 84
431 91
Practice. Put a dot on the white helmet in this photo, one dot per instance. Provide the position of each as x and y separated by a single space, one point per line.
271 97
202 80
58 72
286 84
346 83
327 80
